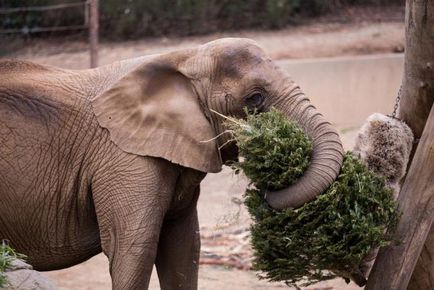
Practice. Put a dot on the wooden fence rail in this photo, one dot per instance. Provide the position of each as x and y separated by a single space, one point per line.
41 8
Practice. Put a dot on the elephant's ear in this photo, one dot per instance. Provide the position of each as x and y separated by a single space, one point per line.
154 111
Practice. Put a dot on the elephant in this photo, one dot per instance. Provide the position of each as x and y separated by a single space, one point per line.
111 159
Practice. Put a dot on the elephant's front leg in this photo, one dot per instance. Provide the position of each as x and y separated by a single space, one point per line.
178 251
130 209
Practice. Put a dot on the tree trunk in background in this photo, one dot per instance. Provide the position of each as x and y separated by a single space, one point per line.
395 264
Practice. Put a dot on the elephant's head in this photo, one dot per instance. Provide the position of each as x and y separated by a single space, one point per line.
163 108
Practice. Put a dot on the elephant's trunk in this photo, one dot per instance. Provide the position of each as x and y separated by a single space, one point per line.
327 154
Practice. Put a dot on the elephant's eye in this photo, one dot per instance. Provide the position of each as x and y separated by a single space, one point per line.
254 101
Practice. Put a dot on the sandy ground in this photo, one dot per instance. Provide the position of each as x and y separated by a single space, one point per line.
216 206
311 41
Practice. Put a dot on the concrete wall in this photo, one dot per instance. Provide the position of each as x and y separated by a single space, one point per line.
348 89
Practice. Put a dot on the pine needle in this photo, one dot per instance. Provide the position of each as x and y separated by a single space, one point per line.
325 238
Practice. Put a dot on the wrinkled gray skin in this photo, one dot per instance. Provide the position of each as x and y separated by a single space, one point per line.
111 159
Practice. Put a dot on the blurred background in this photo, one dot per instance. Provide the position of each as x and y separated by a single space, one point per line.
346 54
133 19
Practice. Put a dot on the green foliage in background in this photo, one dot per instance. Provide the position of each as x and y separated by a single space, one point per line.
325 238
7 256
133 19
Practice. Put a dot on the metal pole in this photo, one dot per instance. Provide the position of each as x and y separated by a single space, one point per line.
93 32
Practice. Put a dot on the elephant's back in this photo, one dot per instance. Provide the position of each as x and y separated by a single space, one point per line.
46 88
18 66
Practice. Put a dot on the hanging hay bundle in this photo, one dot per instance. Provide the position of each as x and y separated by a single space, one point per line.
326 238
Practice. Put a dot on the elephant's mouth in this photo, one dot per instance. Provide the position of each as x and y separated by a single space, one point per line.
229 152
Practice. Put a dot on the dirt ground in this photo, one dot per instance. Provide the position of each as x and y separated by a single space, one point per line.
310 41
217 210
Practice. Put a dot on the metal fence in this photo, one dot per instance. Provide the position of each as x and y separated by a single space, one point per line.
90 23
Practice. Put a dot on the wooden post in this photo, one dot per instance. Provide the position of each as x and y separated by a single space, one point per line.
418 81
93 32
415 114
395 264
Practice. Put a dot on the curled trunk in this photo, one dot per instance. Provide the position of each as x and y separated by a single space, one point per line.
326 159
